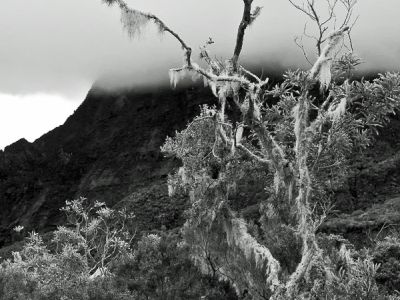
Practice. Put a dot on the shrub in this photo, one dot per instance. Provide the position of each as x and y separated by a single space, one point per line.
67 268
35 273
387 254
160 268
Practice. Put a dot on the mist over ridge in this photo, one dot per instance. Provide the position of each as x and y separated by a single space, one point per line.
74 43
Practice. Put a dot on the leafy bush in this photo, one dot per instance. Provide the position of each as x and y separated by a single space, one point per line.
67 268
95 258
160 268
35 273
100 233
387 254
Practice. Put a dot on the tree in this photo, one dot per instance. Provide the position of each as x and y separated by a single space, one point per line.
293 138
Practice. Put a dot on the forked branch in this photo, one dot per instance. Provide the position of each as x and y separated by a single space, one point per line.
309 8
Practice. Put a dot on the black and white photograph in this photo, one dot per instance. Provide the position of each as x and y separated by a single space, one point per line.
199 150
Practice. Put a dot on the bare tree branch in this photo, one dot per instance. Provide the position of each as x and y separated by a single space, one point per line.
246 19
308 7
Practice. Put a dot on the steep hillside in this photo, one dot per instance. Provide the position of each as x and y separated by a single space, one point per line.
107 150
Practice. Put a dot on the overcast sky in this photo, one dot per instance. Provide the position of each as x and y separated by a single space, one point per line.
51 51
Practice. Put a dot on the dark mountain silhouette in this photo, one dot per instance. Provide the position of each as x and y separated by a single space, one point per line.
107 150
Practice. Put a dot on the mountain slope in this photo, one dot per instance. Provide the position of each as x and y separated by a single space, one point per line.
107 150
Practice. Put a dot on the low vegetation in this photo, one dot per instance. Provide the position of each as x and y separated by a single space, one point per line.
95 257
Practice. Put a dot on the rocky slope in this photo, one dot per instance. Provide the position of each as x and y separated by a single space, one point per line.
107 150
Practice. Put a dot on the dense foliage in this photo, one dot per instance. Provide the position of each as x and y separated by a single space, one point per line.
96 258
